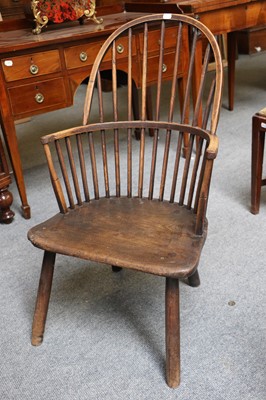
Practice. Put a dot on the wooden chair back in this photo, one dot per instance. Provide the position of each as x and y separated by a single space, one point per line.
102 158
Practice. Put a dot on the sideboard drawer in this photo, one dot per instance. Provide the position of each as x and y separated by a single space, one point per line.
252 41
36 64
167 69
41 96
154 40
85 54
82 55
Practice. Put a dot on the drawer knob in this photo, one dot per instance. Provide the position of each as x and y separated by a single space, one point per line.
120 48
83 56
39 97
34 69
164 68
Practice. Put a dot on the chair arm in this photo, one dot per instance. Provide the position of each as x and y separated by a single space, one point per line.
213 146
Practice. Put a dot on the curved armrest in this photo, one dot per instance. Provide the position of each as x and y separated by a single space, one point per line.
212 149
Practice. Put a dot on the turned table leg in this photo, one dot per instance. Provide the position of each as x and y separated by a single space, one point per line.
6 198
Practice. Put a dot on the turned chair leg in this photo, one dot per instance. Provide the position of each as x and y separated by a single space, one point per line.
43 297
172 332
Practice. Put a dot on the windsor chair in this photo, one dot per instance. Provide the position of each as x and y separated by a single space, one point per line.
137 204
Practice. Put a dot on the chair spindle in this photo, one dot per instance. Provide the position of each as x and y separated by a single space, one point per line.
64 173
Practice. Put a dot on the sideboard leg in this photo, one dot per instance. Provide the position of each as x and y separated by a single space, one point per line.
231 60
6 199
9 132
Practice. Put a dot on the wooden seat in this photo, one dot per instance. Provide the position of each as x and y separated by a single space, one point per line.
258 140
177 249
137 204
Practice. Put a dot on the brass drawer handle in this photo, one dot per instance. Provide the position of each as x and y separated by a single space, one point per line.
39 97
34 69
164 68
83 56
120 48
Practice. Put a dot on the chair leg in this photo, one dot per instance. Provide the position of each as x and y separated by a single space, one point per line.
43 297
258 138
194 279
116 269
172 332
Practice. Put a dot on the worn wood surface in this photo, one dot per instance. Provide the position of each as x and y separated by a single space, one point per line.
161 240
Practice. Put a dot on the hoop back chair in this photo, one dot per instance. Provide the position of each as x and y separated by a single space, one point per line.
138 204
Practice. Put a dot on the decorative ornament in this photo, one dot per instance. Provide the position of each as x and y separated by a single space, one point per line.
58 11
